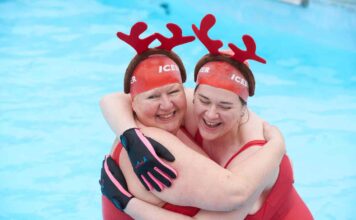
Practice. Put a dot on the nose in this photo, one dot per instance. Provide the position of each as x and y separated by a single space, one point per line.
166 102
211 112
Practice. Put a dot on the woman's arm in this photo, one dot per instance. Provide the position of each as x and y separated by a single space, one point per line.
140 147
228 190
139 209
117 111
114 187
203 183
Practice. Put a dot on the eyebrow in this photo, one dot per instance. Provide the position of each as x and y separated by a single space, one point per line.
201 96
222 102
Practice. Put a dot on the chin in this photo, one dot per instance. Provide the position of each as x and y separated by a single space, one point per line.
172 128
208 135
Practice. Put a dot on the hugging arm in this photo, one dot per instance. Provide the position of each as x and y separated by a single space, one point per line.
156 173
117 111
201 182
114 187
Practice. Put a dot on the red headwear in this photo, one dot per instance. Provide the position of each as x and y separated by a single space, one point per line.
153 67
153 72
225 69
225 76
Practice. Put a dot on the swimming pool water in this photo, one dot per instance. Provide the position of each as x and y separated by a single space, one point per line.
58 58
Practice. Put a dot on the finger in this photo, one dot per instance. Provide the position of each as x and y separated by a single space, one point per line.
120 184
151 182
162 177
161 150
156 181
168 170
114 168
145 183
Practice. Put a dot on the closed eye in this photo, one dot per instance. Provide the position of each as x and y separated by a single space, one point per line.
205 102
153 97
225 107
173 92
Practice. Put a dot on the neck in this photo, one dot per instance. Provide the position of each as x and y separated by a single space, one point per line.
222 148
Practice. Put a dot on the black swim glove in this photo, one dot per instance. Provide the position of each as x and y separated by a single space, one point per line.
113 184
143 153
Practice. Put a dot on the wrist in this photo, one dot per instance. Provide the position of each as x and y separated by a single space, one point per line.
127 136
131 205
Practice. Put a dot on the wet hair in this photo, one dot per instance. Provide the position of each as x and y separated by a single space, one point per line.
140 57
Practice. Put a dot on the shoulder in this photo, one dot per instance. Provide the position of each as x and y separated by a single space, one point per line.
252 129
242 156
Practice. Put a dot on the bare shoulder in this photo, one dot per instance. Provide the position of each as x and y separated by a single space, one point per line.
253 128
243 156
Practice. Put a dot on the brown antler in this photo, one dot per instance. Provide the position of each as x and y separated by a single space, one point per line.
206 23
175 40
249 53
140 45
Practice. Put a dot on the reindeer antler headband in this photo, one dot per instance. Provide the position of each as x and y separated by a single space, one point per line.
143 51
237 58
214 45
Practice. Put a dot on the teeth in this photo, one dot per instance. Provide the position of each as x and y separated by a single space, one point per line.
211 124
166 116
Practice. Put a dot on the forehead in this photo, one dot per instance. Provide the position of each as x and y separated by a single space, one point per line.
216 94
161 89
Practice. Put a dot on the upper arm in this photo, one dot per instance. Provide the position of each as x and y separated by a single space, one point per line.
117 111
236 214
257 187
201 182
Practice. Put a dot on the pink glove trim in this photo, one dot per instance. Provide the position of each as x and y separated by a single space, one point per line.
112 178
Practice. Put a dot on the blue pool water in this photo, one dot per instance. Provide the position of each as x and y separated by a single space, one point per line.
57 58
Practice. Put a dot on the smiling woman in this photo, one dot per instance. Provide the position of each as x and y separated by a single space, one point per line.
172 106
58 58
263 182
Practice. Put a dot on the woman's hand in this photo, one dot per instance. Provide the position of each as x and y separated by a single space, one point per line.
272 133
113 184
144 154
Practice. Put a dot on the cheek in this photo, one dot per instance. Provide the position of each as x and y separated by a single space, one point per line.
180 102
198 109
183 105
146 110
231 119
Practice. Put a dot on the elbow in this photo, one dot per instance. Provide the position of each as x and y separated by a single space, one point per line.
236 200
237 197
103 101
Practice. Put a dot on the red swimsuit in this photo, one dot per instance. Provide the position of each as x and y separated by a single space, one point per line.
282 202
110 212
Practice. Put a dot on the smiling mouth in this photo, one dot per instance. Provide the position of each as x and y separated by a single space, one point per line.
166 117
211 124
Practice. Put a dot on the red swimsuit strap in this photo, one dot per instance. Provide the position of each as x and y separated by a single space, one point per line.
247 145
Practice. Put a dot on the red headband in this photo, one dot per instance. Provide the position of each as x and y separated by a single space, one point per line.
153 72
159 68
221 74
